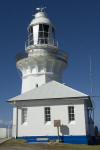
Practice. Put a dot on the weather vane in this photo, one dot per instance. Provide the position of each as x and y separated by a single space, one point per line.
41 9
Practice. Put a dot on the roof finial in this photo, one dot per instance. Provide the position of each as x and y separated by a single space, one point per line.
41 9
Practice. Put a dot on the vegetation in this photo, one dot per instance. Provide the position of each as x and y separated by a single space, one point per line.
47 146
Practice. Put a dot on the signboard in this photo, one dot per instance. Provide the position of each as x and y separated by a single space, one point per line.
57 123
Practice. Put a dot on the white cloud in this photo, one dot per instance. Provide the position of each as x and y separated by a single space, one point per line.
10 122
5 123
1 122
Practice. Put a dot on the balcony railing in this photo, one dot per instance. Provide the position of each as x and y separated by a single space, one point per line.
48 52
41 41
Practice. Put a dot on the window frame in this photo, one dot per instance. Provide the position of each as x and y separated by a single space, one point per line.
43 35
47 114
53 32
24 115
71 113
30 36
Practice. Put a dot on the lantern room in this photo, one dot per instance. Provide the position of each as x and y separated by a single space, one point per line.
41 31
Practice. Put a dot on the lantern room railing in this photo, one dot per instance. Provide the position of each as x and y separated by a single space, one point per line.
41 41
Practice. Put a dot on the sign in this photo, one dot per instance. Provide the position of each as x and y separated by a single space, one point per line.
57 123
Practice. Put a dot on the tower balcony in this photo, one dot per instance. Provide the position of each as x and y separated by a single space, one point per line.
41 42
44 54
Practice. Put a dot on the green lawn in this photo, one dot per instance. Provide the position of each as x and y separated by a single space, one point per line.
48 146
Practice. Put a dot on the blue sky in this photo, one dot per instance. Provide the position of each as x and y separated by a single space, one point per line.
77 31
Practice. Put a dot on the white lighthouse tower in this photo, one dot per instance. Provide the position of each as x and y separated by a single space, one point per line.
44 99
45 62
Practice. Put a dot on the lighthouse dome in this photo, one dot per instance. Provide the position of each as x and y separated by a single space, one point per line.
40 17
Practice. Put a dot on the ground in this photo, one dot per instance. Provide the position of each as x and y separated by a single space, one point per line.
22 145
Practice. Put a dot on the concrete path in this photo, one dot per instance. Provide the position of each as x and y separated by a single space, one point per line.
18 148
3 140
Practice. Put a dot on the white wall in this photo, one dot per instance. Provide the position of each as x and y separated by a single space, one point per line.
3 132
39 68
15 119
29 82
89 123
36 125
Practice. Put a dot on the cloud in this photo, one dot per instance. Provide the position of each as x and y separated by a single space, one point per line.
10 122
1 121
5 124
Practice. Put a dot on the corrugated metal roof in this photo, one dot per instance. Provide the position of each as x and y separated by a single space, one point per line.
50 90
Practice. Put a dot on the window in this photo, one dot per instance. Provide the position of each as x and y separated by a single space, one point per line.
40 27
37 85
53 32
71 113
43 34
24 115
30 36
47 114
45 27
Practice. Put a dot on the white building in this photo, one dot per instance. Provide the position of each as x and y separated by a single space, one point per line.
44 98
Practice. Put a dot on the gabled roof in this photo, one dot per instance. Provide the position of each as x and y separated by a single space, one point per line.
50 90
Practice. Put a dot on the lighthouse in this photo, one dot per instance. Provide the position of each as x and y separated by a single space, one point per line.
44 101
45 62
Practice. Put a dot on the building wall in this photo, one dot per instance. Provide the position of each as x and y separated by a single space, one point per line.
30 82
39 68
89 123
36 126
3 132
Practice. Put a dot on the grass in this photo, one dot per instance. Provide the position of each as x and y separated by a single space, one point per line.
48 146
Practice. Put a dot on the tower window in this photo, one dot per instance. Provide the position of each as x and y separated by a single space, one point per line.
53 32
40 34
40 27
30 36
31 30
45 27
47 114
37 85
24 115
43 34
71 113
